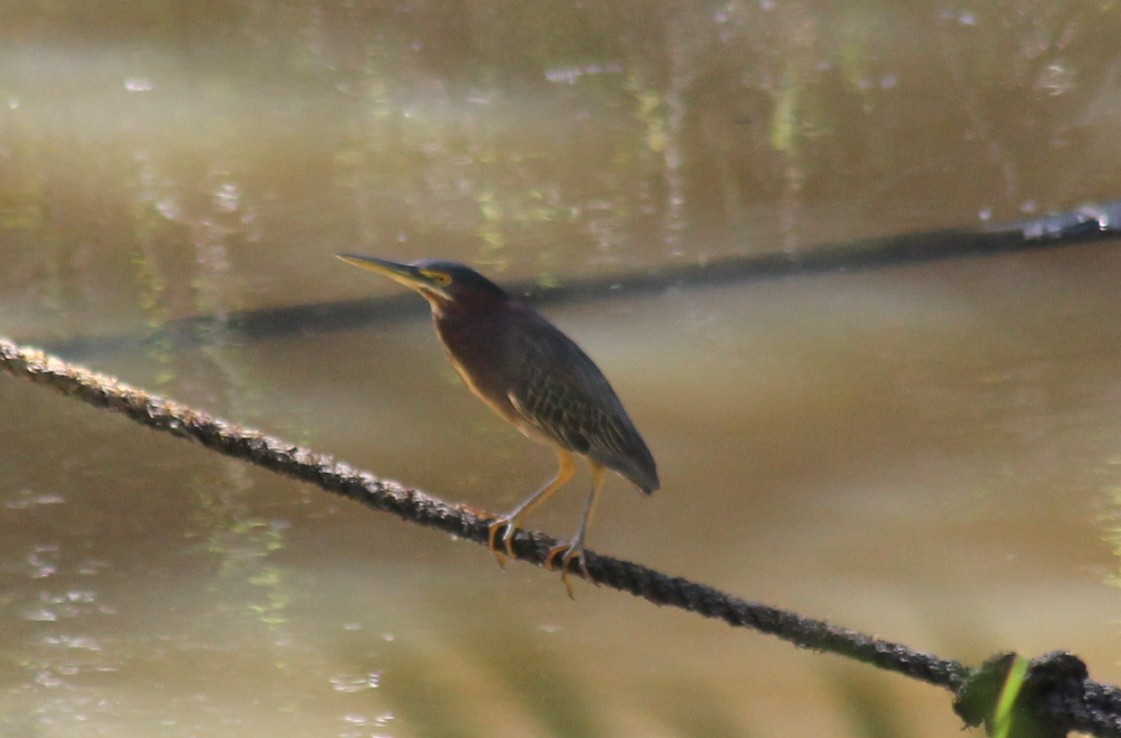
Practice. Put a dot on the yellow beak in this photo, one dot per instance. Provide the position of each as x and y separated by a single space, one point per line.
404 274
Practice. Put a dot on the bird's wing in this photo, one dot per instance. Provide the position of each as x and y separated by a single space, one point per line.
562 394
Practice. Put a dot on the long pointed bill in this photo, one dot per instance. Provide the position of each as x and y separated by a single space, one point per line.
404 274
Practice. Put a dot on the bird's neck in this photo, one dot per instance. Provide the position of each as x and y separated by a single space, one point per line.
474 340
472 332
468 308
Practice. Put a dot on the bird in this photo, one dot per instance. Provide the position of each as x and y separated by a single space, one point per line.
537 378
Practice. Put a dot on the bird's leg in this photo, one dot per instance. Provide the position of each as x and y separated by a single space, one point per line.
574 549
565 469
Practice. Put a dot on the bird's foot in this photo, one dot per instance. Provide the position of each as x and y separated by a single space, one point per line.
561 555
507 525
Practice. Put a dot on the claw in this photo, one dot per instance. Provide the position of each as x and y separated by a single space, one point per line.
500 524
567 552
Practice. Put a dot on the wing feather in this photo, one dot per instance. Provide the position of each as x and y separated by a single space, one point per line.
560 392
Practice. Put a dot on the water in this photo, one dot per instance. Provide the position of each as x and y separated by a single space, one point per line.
926 452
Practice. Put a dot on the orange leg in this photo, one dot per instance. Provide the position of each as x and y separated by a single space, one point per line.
574 549
565 469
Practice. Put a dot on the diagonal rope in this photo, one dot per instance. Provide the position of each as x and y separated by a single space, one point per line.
1080 704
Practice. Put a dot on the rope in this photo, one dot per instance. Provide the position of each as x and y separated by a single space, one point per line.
1059 694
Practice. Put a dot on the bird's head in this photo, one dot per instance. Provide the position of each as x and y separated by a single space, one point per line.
443 283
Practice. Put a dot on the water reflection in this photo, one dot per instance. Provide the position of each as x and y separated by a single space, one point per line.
927 452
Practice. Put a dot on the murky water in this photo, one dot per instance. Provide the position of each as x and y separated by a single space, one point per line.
928 452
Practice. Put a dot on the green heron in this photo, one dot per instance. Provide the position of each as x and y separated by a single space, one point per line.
537 378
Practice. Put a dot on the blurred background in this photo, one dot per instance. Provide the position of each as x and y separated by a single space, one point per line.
927 452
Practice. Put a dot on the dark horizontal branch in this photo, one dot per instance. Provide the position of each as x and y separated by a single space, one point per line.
1081 226
467 523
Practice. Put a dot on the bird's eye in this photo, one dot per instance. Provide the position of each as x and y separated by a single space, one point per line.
440 279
